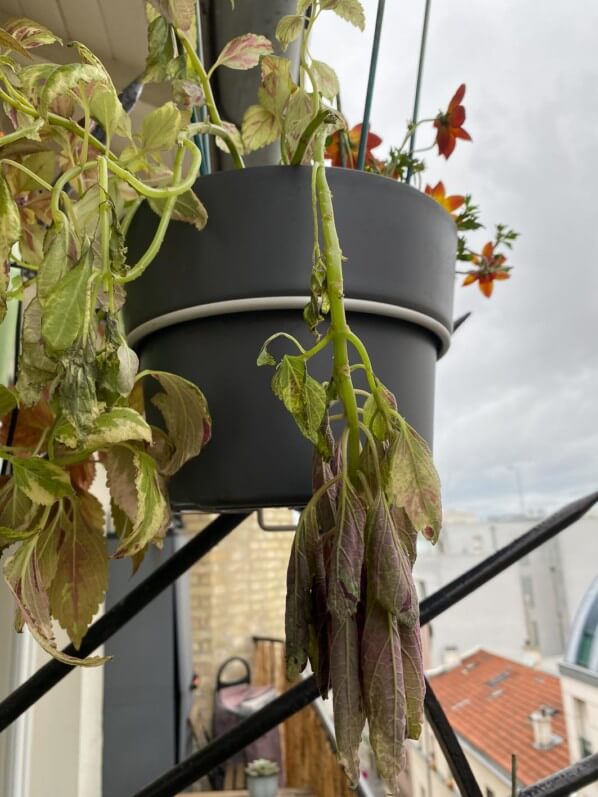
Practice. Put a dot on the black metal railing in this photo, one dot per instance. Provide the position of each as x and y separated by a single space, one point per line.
219 750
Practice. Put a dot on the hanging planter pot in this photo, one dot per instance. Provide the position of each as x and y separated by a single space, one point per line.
210 299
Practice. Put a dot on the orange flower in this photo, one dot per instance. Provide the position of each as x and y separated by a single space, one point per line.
333 150
491 267
449 125
449 203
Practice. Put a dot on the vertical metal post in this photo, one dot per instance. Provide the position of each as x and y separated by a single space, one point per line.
420 71
203 141
371 82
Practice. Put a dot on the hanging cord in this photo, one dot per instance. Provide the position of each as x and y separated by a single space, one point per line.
14 415
201 141
420 71
370 90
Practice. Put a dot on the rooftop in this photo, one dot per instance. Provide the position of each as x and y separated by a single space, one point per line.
488 700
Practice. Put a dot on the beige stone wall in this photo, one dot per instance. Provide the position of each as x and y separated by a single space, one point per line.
576 689
431 777
237 592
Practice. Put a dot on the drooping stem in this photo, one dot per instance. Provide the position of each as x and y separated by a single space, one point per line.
105 218
308 134
220 132
201 73
339 329
23 132
153 249
35 177
178 186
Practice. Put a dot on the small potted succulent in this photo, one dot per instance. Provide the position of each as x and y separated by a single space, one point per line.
262 778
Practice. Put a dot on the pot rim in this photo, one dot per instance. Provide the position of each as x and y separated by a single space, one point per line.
357 174
261 304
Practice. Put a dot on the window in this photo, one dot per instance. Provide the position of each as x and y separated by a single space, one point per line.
586 643
581 726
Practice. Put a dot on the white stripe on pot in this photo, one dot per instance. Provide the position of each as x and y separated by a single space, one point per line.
258 304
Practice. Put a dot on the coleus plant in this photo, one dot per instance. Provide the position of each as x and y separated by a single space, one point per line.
67 200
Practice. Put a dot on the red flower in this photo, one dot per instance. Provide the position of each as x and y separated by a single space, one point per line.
449 125
491 267
333 150
449 203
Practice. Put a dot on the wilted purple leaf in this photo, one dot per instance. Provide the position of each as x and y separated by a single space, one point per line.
346 563
406 531
349 717
384 691
322 474
388 565
412 481
298 601
413 678
318 553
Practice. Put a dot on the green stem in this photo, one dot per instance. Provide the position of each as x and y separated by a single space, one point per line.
219 132
87 122
58 188
131 211
339 329
22 133
176 188
372 444
365 359
57 121
156 243
105 219
308 134
321 344
17 262
381 403
73 127
18 104
27 171
201 73
411 128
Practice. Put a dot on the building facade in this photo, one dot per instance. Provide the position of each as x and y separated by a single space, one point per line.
498 708
579 678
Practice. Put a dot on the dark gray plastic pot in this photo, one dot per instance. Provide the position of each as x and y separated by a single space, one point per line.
209 300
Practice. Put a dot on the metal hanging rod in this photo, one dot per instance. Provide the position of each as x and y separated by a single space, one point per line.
371 83
418 84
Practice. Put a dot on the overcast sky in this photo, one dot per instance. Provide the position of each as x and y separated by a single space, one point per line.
518 391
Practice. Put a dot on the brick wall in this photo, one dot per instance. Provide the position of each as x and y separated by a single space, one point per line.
237 591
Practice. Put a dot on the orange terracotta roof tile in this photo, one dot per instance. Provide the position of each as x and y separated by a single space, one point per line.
488 700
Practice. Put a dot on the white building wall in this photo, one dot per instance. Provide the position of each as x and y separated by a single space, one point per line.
431 777
494 616
587 694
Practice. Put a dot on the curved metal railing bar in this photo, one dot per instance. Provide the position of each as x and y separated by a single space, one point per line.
222 748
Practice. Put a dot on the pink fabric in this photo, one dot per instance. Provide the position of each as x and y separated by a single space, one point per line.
226 704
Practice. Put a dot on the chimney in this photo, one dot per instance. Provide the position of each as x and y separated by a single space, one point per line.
451 657
541 720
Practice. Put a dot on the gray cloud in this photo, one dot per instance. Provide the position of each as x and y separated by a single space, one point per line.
519 386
